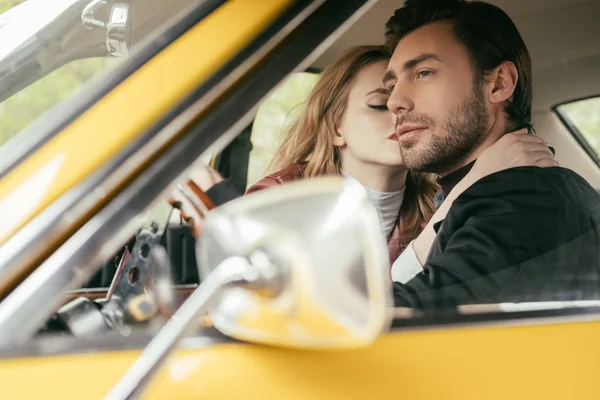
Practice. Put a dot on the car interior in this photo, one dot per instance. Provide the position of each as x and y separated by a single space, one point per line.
565 65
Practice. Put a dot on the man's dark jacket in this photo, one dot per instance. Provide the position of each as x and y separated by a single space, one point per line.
523 234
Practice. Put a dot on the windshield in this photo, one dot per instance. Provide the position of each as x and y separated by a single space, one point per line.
52 50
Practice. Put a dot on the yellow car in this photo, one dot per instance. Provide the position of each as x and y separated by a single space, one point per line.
104 105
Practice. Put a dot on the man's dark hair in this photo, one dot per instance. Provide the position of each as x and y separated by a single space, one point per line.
488 34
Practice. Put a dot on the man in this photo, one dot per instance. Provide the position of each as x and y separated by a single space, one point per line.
460 78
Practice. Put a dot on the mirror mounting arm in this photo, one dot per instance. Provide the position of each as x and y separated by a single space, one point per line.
87 15
232 271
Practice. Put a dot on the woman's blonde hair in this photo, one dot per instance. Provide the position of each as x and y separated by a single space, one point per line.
309 139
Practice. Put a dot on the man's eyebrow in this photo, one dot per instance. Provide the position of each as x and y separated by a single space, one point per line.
389 75
379 90
410 64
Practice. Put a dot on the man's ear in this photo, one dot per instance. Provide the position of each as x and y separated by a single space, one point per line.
502 82
338 138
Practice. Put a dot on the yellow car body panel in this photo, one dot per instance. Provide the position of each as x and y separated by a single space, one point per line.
130 109
552 361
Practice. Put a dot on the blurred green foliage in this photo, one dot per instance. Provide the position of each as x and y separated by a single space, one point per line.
585 115
30 103
8 4
273 116
24 107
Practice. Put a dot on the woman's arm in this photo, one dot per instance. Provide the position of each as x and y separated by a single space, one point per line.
218 190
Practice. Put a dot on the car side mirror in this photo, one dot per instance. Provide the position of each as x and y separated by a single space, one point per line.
319 242
301 265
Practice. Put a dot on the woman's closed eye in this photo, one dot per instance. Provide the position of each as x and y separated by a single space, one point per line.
378 107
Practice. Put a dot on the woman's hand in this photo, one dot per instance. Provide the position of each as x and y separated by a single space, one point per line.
190 197
517 149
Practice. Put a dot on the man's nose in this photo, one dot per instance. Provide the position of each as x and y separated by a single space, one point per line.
399 102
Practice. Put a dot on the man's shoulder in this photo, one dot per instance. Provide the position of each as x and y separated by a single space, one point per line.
553 175
556 180
527 194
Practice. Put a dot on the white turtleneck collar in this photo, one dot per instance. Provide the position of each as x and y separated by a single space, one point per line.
387 204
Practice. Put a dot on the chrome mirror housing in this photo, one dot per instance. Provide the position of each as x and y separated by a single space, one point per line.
118 26
118 31
319 245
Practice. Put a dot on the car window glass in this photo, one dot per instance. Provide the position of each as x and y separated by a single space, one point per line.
583 119
49 50
25 106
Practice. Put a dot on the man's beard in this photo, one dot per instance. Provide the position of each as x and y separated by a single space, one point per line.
464 129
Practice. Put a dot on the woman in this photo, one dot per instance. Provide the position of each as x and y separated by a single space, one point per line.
346 129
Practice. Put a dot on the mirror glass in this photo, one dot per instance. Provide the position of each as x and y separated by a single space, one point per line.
324 236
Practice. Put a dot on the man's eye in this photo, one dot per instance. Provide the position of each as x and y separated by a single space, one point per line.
378 107
424 74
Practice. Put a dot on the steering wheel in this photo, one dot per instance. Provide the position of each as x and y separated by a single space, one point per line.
142 287
143 284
